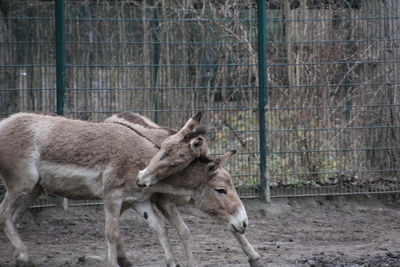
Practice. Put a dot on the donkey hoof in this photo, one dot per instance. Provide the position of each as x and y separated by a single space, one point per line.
255 262
124 262
20 263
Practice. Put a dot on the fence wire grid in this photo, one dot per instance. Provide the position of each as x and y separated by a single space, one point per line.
332 117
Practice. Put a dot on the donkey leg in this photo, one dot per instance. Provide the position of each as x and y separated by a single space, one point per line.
112 210
28 200
170 211
8 208
252 255
146 209
122 258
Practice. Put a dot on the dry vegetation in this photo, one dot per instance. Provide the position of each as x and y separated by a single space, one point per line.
333 76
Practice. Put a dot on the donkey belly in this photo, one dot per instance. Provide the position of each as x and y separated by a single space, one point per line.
72 181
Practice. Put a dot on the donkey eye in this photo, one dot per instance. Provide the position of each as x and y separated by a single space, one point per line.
181 155
221 191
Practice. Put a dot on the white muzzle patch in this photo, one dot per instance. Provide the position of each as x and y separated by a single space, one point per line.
144 179
239 221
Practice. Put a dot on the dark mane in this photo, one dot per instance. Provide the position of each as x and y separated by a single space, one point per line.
137 119
134 118
138 133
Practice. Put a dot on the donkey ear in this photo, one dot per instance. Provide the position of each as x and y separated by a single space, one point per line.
225 156
212 166
191 124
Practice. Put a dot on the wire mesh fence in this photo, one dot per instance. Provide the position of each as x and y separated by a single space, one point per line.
334 105
332 117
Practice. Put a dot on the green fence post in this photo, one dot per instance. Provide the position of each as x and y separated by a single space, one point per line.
61 55
155 61
263 95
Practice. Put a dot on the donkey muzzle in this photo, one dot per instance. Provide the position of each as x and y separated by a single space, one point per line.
239 221
143 179
141 185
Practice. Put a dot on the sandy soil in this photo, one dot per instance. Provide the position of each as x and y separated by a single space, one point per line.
341 231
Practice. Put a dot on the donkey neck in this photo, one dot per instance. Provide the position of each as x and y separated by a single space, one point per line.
154 135
191 177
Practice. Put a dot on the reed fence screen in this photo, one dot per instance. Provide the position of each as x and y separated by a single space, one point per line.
330 99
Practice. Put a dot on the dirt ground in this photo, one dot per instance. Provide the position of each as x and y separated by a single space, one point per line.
337 231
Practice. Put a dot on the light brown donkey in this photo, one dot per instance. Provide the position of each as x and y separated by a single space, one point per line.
78 160
175 148
212 186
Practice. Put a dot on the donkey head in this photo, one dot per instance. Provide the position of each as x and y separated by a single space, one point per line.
176 153
218 197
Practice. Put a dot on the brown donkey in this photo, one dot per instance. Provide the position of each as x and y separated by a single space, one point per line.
212 186
78 160
84 160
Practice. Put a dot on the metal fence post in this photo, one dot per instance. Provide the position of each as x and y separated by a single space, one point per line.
61 58
155 61
61 55
263 95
